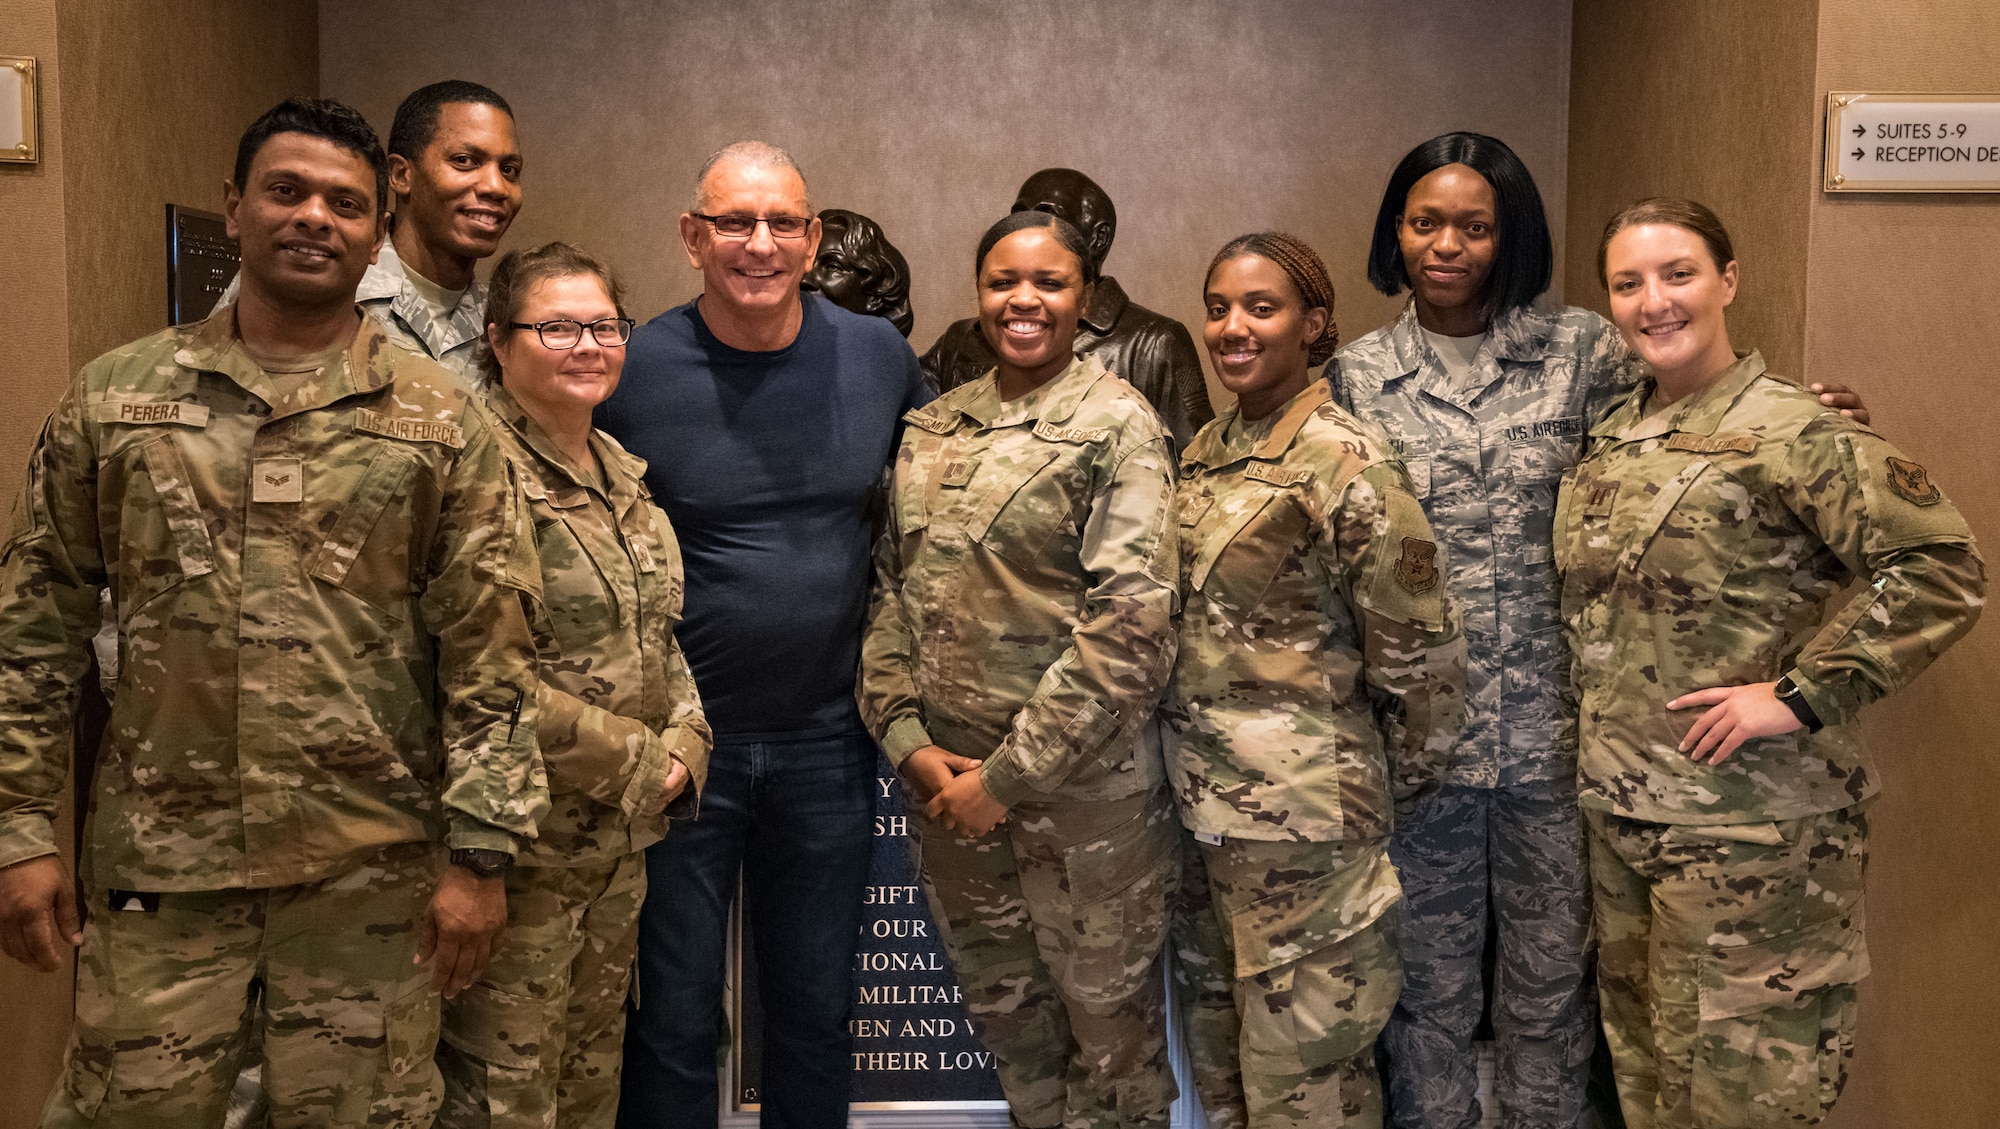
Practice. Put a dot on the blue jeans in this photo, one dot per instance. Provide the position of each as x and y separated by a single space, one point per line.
797 817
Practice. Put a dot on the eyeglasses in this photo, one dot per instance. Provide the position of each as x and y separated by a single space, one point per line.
741 226
564 333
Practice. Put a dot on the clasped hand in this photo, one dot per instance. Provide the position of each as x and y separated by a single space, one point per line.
953 793
1737 714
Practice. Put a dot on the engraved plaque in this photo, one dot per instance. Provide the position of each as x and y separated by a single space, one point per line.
201 259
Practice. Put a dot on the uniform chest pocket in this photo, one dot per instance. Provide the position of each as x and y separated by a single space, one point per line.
163 536
1687 541
581 605
366 547
1018 509
657 555
1543 461
1247 545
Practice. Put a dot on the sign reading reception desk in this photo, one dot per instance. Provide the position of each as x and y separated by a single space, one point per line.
1912 142
913 1045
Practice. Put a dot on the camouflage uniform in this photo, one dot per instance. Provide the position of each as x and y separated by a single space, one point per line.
320 589
1319 684
1149 351
539 1039
1025 618
1485 453
387 293
1700 546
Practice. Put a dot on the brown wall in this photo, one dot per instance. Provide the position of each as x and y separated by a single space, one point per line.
1710 99
1903 302
1203 119
1896 295
34 1006
217 64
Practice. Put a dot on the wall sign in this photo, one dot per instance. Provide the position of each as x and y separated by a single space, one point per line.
1912 142
201 259
20 116
914 1048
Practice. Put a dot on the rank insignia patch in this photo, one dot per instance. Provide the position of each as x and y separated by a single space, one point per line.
1417 570
1912 482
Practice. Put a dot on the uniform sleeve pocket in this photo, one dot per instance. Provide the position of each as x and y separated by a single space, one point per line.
1777 1026
497 1028
367 549
410 1027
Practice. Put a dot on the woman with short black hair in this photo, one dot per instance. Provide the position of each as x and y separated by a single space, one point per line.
1487 397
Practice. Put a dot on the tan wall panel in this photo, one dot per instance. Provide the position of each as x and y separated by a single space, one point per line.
34 1006
1904 302
1709 99
1203 119
158 97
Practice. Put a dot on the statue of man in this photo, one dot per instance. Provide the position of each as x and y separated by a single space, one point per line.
859 270
1152 352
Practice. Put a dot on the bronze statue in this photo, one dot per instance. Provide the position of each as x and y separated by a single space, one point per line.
860 270
1152 352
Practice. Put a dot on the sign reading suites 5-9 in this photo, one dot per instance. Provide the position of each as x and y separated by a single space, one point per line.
1912 142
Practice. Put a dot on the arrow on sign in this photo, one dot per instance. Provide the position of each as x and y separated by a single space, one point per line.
1857 154
1858 131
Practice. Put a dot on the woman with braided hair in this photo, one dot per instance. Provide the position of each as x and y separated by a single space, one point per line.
1318 689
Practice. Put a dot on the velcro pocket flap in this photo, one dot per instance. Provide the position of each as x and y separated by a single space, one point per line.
498 1028
1109 865
1775 973
1300 918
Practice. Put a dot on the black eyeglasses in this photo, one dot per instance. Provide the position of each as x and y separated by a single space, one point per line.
564 333
741 227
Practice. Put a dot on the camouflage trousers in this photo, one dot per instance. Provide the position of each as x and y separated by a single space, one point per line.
1518 853
1727 960
1056 922
171 986
538 1041
1204 982
1308 933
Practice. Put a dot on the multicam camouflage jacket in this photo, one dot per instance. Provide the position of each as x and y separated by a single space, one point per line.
1024 612
387 294
1321 674
1485 454
321 583
617 703
1700 546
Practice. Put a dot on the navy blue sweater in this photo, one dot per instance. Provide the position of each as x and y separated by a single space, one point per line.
768 466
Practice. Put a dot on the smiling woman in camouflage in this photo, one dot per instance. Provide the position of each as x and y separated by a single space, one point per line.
1319 688
1719 514
1020 637
538 1040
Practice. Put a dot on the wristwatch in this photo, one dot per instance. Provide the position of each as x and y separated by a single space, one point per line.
1788 692
481 862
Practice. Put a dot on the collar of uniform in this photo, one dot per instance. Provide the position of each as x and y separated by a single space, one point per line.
1520 334
1107 305
1701 413
215 347
537 439
1053 402
387 277
1212 449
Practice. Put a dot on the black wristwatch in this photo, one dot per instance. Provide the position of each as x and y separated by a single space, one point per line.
1788 693
482 862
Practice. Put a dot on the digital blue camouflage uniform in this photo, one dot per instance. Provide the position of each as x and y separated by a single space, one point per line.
1319 687
1024 618
321 584
387 294
1486 455
1702 545
538 1040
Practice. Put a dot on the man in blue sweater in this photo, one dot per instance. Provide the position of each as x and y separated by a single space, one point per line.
766 414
